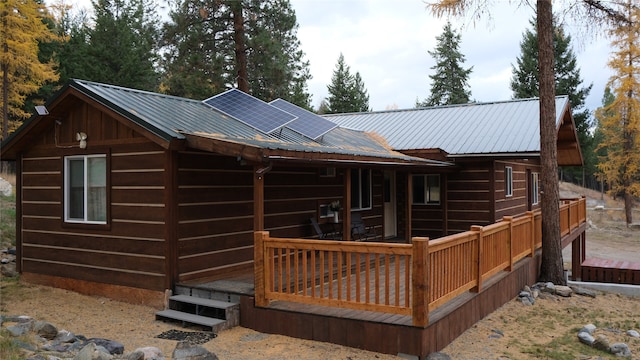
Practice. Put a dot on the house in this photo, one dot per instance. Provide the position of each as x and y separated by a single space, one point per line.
126 194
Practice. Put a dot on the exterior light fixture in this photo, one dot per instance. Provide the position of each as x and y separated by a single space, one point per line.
42 110
82 137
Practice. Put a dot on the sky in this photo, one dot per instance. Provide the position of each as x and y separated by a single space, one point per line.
387 42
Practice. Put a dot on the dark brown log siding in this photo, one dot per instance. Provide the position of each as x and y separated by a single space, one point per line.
215 215
517 204
469 197
130 249
215 211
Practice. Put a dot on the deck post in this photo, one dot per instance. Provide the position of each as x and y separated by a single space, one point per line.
532 232
259 269
478 230
510 240
420 281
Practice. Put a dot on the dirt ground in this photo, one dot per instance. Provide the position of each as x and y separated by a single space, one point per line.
547 329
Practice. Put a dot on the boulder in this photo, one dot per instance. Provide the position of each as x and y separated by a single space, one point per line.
620 350
438 356
586 338
149 353
65 336
187 351
563 291
601 343
93 352
46 330
583 291
590 328
113 347
633 333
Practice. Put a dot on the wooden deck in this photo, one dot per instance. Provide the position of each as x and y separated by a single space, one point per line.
611 271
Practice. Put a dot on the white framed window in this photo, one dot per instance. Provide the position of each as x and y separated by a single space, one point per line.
85 189
535 188
360 189
426 189
508 181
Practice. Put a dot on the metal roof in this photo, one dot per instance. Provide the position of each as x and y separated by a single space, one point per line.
173 117
469 129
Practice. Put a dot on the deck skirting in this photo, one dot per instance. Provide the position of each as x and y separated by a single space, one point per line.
359 329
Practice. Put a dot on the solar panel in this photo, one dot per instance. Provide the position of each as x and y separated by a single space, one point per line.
307 123
249 110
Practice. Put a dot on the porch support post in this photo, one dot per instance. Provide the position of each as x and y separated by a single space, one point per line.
259 269
510 240
420 281
408 201
346 197
258 199
478 230
577 256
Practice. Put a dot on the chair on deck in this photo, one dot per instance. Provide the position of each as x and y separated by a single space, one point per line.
359 231
324 235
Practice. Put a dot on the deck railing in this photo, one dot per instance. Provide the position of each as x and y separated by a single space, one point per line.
405 279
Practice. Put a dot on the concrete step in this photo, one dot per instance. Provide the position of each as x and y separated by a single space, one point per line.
215 324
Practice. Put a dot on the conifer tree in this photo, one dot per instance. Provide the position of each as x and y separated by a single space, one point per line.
22 27
124 43
524 84
450 83
346 91
216 45
620 120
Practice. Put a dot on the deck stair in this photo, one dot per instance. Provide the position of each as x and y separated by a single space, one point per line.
191 310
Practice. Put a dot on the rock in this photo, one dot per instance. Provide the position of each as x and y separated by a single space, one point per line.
136 355
586 338
148 353
438 356
46 330
601 343
186 351
549 287
590 328
535 293
563 291
633 333
65 336
620 349
93 352
113 347
9 270
525 301
17 330
583 291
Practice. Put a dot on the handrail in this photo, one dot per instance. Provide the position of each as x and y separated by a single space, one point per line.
405 279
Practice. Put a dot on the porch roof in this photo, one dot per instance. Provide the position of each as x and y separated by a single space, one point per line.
170 119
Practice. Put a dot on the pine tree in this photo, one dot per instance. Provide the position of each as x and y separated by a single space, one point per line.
214 46
346 91
620 120
524 84
124 44
23 73
450 83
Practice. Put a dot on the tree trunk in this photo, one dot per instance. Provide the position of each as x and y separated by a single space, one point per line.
551 268
240 48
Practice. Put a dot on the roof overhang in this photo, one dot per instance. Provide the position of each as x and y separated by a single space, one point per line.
569 152
259 154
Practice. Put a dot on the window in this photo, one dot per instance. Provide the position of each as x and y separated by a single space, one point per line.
535 190
360 189
508 181
426 189
328 172
85 187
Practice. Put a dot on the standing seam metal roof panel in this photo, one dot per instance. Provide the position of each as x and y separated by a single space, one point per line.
477 128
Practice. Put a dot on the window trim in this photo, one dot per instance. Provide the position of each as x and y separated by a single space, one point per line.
425 182
358 206
535 188
508 181
75 221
